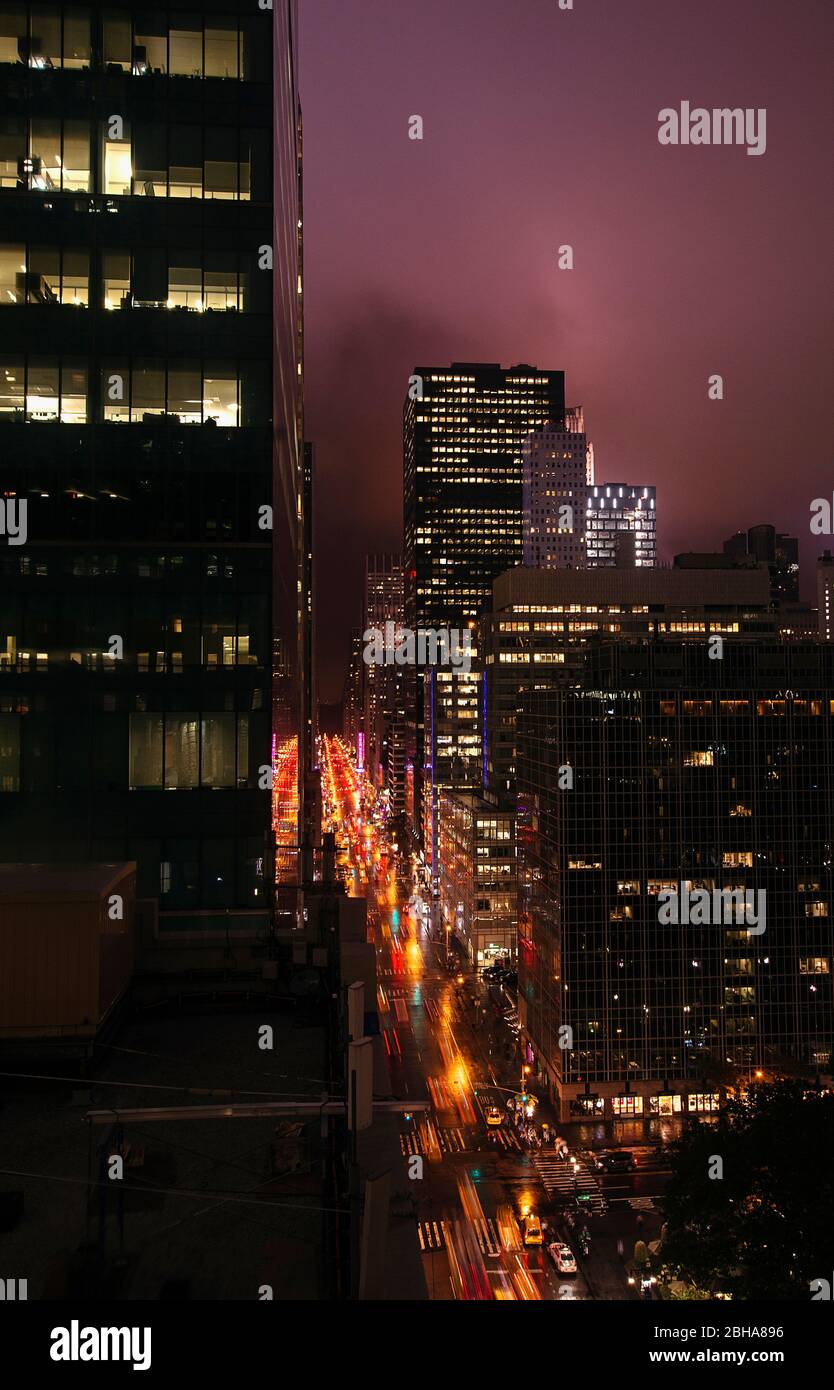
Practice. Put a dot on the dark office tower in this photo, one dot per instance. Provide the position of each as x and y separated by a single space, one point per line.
382 682
661 784
463 431
149 399
779 552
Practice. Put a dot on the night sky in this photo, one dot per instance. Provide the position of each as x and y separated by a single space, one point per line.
540 128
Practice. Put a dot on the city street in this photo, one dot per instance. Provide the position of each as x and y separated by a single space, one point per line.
459 1053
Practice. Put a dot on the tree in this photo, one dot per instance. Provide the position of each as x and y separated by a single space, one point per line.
765 1228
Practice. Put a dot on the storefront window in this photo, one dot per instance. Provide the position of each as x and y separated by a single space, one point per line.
665 1105
627 1105
698 1103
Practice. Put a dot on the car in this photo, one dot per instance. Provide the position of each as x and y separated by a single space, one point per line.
619 1162
532 1230
562 1257
494 1115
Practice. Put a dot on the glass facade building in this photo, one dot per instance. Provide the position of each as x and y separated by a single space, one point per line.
150 335
464 427
688 775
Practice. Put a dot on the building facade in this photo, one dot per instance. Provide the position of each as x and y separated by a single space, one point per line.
558 467
621 526
477 877
464 428
687 776
542 622
151 337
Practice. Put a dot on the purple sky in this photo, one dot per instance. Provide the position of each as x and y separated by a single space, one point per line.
540 128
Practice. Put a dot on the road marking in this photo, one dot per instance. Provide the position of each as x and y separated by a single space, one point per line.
557 1176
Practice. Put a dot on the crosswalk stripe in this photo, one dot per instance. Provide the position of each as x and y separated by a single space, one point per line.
557 1176
452 1140
487 1237
641 1203
431 1235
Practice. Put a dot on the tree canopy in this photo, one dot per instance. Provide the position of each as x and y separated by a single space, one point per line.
765 1228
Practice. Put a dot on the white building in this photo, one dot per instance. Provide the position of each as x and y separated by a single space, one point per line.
558 465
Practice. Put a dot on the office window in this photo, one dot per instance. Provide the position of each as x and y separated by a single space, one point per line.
75 278
12 274
150 177
76 157
9 753
147 391
45 153
150 44
76 37
221 280
220 403
115 276
12 152
42 391
181 751
185 393
222 47
185 281
43 279
11 385
12 31
116 40
218 751
186 162
115 392
44 49
145 751
221 176
116 166
73 393
185 46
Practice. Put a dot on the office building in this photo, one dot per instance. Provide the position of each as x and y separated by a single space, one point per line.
687 776
765 545
542 621
825 596
558 467
464 428
477 877
382 683
620 526
150 418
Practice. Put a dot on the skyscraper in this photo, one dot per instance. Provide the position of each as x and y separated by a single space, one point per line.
150 399
463 431
825 595
779 552
382 603
620 526
666 772
558 467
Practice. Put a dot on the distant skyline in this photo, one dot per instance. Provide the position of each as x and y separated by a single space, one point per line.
540 130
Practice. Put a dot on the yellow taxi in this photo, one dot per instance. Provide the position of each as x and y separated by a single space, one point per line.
532 1230
494 1116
